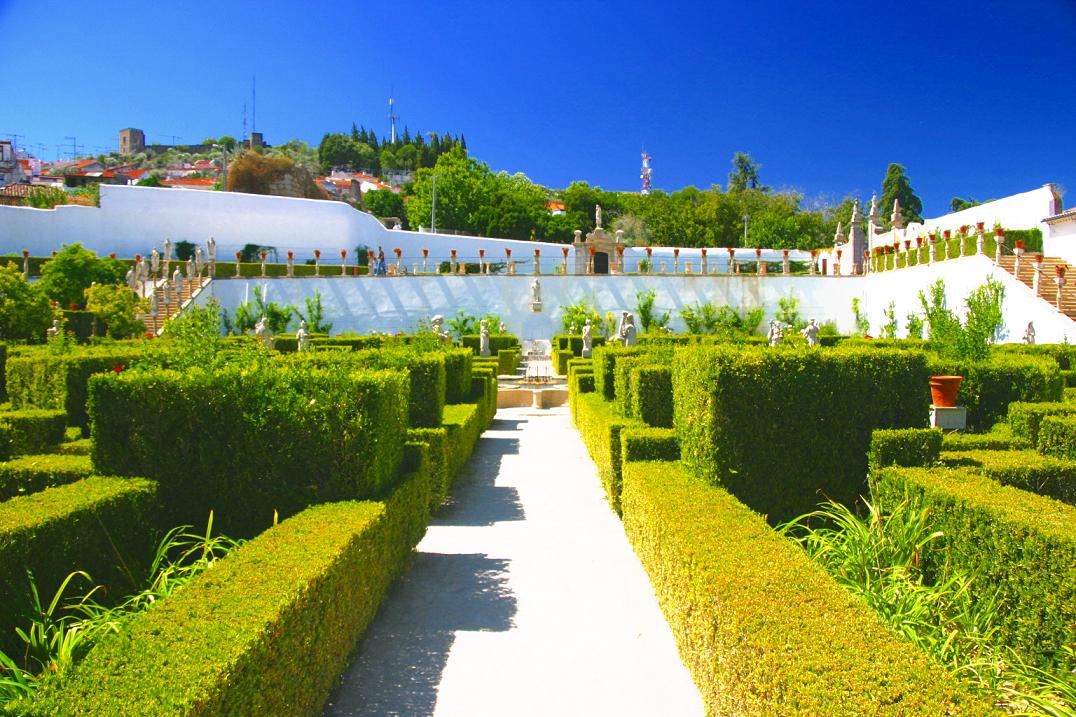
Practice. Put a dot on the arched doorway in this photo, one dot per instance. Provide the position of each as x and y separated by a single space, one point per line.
601 262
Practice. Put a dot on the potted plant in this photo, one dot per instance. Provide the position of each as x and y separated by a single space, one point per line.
944 390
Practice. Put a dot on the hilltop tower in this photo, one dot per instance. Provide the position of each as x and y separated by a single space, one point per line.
645 176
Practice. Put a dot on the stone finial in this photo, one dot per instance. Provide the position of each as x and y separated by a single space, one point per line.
857 216
897 220
874 216
838 238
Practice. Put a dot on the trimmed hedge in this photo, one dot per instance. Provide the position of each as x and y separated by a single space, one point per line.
265 632
650 391
45 380
458 367
1057 437
905 447
561 357
95 524
484 394
1024 469
779 428
355 343
3 373
762 628
247 442
80 447
999 438
649 444
600 428
574 342
1021 542
989 387
30 431
508 361
463 423
31 474
605 359
496 342
1025 418
440 461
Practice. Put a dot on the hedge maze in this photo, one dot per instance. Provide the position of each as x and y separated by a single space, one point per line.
323 466
706 448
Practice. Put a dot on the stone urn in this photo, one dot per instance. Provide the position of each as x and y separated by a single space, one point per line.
944 389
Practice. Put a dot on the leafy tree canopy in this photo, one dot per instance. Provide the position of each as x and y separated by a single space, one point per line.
65 278
24 309
896 186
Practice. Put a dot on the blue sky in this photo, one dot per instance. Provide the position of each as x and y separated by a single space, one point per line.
974 98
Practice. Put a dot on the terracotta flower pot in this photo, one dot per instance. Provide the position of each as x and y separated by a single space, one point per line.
943 390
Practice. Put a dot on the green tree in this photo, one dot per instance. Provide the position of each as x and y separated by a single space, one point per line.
67 275
896 186
25 313
744 174
116 306
636 231
384 203
957 204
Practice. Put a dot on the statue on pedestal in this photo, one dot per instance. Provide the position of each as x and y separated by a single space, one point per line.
129 278
303 337
437 324
775 335
199 260
627 332
155 262
536 295
1029 333
571 329
597 216
810 332
177 283
588 342
483 339
190 268
54 330
261 330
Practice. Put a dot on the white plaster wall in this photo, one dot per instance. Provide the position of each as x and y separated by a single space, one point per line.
367 304
134 220
1061 241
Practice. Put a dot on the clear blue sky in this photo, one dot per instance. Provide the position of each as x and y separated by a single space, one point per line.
974 98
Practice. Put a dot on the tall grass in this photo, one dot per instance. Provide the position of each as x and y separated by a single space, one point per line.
62 631
878 556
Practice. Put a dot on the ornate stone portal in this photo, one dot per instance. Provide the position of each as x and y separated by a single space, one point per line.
598 253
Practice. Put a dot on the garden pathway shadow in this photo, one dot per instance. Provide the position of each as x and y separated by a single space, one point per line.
475 499
400 661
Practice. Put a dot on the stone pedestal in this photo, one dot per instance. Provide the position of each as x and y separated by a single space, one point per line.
949 418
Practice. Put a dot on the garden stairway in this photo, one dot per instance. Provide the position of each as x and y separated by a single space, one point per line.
1047 286
169 309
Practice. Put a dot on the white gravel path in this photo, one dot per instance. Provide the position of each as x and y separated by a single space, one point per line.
524 598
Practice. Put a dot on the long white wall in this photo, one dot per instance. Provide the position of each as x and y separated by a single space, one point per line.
134 220
367 304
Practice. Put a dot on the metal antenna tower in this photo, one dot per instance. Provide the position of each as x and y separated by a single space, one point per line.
253 104
392 118
645 175
14 139
75 147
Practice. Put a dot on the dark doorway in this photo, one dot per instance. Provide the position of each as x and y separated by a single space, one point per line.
601 262
825 267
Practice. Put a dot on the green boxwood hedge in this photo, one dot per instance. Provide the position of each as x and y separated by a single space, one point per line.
463 423
30 474
763 629
1024 469
508 361
3 373
496 342
1025 418
574 342
355 343
600 428
265 632
105 526
605 359
30 431
43 380
458 367
650 389
649 444
484 394
561 357
1057 437
905 447
998 438
440 461
80 447
780 428
247 442
1022 542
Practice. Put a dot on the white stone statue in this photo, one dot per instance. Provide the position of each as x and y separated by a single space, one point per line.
437 323
153 303
129 278
502 329
211 249
597 216
167 249
1029 333
627 333
620 325
190 268
571 329
54 330
810 332
139 274
776 335
536 291
261 330
199 259
155 261
483 339
588 341
167 290
303 337
177 283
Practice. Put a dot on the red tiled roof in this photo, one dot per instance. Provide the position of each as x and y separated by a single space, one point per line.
189 182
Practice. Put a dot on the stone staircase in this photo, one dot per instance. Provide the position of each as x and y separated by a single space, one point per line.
1047 286
176 301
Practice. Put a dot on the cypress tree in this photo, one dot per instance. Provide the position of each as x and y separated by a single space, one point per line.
897 187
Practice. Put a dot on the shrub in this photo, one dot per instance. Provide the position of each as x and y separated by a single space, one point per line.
74 269
1025 419
1057 437
1021 542
561 357
905 447
605 359
463 426
650 388
484 394
440 463
104 526
458 367
31 474
600 429
763 630
30 431
1024 469
507 361
496 342
990 386
25 313
999 438
44 380
355 343
266 631
649 444
247 442
116 305
574 343
777 428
